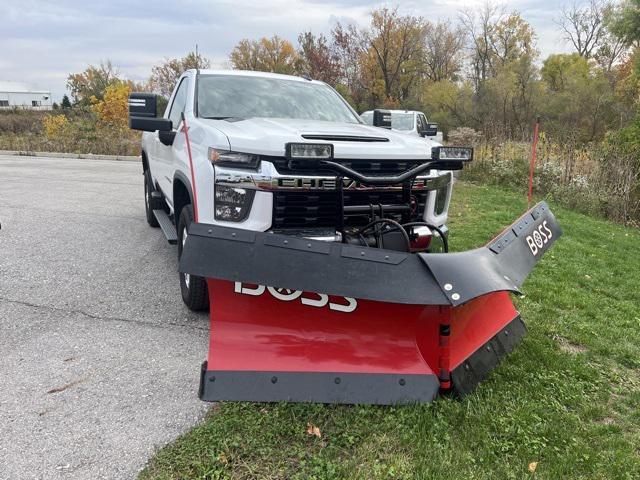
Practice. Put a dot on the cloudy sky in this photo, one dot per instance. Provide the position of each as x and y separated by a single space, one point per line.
43 41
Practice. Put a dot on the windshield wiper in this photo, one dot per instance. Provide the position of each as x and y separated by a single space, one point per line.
229 119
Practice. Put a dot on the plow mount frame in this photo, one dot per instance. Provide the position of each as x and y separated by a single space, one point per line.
349 324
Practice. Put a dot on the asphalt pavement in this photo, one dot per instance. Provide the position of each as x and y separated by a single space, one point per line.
99 359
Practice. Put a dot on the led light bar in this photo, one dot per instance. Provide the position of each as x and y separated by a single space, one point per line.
309 151
452 154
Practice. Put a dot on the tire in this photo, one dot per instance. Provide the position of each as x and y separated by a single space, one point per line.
150 203
195 294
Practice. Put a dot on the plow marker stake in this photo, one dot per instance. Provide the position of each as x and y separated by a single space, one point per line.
358 325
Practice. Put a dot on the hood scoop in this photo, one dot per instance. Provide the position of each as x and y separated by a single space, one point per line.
343 138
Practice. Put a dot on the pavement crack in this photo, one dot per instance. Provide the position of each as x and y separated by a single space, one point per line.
67 386
99 317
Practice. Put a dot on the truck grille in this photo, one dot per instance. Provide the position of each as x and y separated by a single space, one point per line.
366 167
318 209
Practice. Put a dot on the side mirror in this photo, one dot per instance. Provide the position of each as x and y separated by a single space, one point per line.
382 118
430 131
143 108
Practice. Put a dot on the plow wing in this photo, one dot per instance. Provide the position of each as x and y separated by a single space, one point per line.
303 320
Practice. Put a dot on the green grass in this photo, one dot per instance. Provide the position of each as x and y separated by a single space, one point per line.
567 398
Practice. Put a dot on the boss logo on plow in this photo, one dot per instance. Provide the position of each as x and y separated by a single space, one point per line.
306 298
539 238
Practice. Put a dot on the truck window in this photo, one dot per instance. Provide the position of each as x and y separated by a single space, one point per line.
179 102
402 121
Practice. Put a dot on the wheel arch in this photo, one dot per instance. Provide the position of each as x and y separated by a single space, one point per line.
182 193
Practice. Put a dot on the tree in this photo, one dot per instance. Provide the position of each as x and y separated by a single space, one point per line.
317 60
396 45
112 110
349 47
559 70
92 82
584 26
66 103
443 49
267 55
165 75
624 22
579 104
479 27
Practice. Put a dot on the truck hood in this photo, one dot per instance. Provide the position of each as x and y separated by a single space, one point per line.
268 136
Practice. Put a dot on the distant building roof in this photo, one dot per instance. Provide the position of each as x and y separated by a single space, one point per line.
18 87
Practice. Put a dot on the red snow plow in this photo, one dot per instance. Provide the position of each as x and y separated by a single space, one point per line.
302 320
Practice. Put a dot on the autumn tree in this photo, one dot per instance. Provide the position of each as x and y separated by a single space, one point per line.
396 46
92 82
267 55
317 60
165 75
443 51
112 109
348 47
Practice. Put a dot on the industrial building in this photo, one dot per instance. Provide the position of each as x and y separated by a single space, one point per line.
20 95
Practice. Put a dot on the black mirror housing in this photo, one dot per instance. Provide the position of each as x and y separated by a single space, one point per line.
431 130
150 124
382 118
143 110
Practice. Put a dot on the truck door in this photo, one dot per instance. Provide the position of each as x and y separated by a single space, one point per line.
165 153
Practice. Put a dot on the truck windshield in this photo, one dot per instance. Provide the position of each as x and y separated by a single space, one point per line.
224 96
402 121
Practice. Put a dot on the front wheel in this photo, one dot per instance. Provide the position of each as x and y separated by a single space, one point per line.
194 289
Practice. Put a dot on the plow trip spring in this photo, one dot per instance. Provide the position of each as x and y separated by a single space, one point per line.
302 320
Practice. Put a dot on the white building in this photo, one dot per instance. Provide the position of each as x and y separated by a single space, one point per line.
19 95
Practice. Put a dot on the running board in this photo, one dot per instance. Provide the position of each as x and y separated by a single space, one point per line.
167 226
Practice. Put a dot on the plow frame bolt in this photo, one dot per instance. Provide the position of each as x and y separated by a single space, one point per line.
401 382
455 296
448 287
274 379
337 380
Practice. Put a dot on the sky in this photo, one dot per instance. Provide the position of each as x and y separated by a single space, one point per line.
42 41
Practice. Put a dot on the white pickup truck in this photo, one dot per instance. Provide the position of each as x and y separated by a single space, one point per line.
409 122
268 152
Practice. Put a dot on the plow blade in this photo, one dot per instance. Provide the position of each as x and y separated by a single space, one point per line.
302 320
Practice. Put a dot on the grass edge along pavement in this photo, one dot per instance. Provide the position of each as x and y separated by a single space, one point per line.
565 404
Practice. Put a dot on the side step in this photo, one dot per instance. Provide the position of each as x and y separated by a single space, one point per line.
167 226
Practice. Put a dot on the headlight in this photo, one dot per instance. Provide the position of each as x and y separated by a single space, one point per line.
452 154
311 151
232 204
233 159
